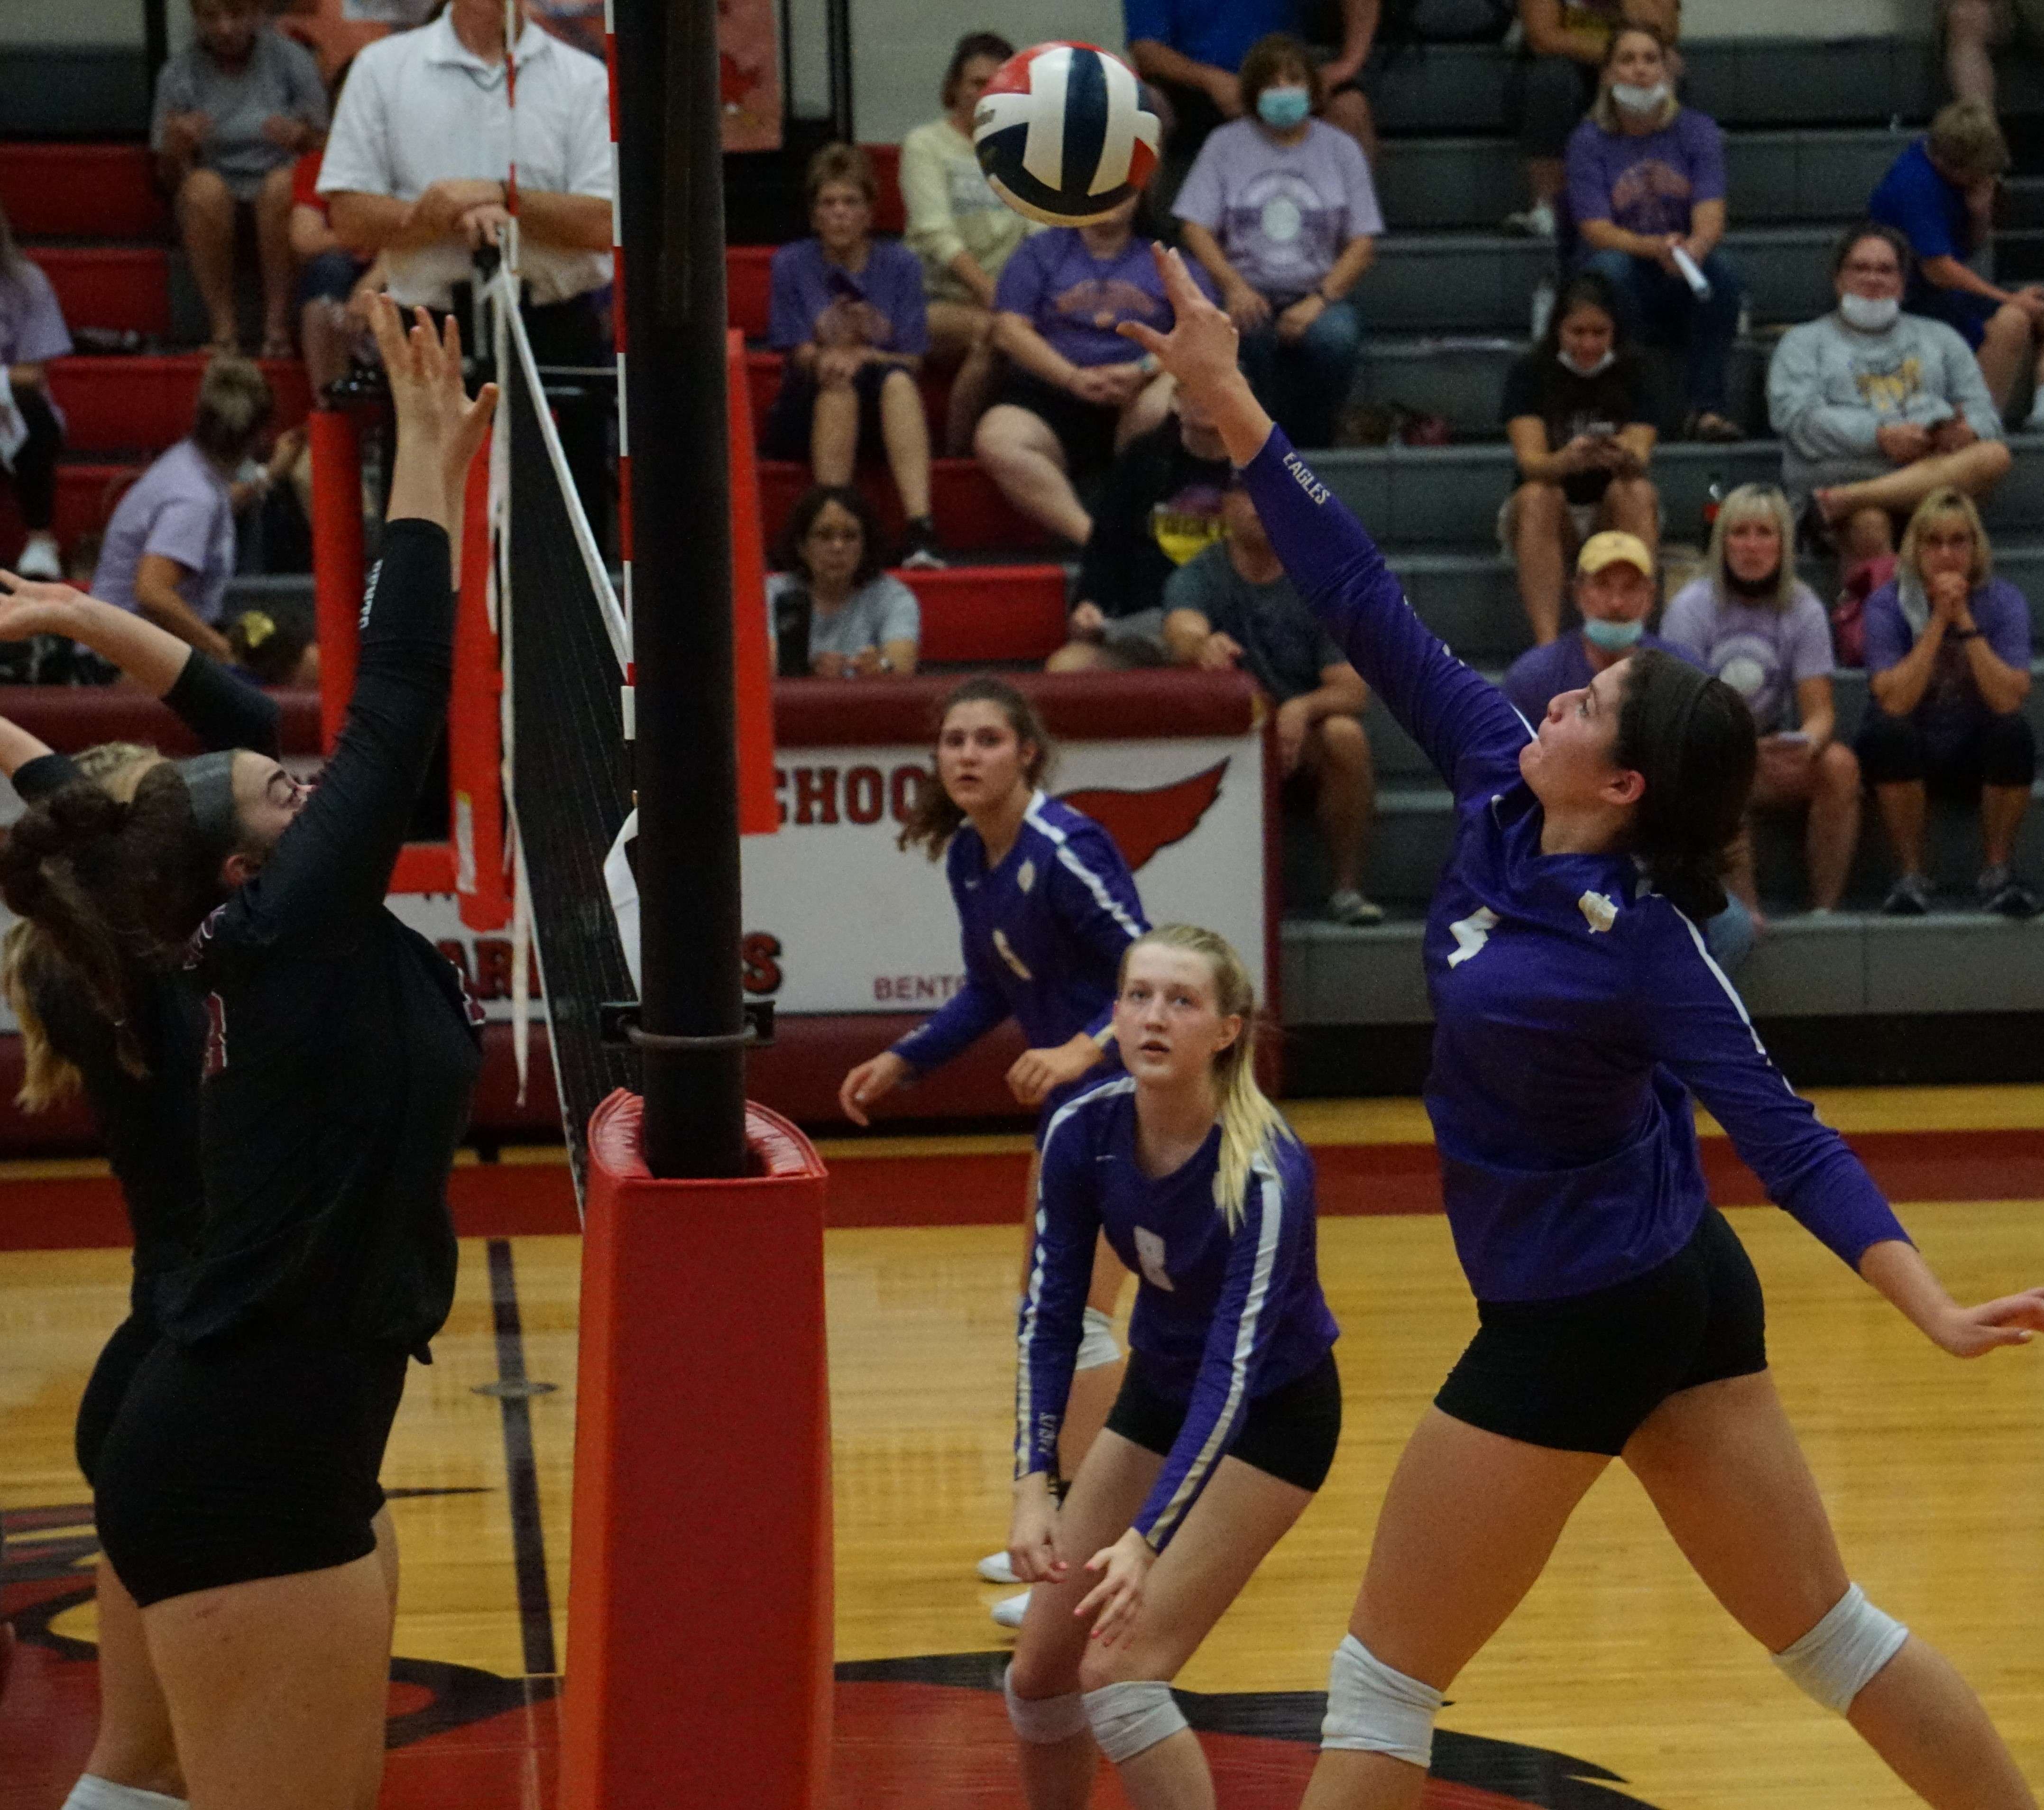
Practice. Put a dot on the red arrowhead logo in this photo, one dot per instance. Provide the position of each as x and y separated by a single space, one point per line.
1141 822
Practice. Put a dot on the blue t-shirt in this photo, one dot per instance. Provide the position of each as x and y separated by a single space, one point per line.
1928 209
1222 1316
1076 300
1951 705
1216 31
1576 1010
1541 674
882 307
1043 933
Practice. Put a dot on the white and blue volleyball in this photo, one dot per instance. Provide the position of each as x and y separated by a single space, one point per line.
1062 134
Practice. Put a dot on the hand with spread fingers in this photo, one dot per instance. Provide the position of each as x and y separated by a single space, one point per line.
1201 351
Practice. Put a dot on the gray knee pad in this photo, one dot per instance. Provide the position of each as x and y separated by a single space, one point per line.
1043 1721
1097 1345
1372 1709
1132 1718
1838 1658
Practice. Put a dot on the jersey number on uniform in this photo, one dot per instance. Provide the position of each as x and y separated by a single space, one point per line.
1149 1254
1471 933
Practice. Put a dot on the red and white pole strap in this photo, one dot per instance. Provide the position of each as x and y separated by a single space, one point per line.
514 23
619 334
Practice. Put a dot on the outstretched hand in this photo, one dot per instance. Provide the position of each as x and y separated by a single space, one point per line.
1200 351
1973 1331
424 371
34 606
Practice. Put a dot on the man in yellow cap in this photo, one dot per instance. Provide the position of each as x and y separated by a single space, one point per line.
1614 591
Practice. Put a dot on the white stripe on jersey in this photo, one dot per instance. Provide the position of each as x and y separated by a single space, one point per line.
1226 1423
1025 1405
1101 897
1724 980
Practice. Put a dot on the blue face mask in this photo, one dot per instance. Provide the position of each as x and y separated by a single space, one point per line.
1281 108
1613 637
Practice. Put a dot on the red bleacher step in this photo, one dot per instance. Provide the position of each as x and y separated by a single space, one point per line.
85 496
972 515
145 404
82 191
990 613
123 286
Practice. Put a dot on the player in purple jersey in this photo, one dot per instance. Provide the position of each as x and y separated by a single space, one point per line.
1576 1012
1045 906
1228 1419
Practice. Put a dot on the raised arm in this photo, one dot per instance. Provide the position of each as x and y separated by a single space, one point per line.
331 869
1470 733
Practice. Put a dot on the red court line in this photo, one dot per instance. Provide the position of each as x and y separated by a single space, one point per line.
525 1199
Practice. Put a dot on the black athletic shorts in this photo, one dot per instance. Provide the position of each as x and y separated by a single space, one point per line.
1290 1434
119 1360
255 1456
1086 430
1581 1374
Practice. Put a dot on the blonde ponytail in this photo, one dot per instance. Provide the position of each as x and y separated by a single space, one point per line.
1249 1125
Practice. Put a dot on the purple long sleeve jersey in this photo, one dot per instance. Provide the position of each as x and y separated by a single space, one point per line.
1042 932
1222 1317
1575 1009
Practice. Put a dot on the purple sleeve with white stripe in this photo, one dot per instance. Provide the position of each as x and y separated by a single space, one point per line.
1703 1035
960 1023
1053 1316
1470 733
1097 900
1276 1220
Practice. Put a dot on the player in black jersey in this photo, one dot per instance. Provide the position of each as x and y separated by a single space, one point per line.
237 1484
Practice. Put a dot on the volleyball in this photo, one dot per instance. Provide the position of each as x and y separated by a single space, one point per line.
1062 134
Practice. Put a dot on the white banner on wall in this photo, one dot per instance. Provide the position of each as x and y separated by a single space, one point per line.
839 919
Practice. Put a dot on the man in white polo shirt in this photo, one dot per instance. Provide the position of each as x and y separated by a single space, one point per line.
416 167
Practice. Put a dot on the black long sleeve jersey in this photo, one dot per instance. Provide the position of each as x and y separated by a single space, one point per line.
149 1123
341 1048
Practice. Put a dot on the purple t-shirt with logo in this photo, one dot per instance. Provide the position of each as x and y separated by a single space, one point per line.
881 306
178 508
1541 674
1648 185
1762 653
1282 212
1951 704
32 326
1076 300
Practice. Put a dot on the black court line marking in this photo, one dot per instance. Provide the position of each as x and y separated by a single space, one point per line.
535 1613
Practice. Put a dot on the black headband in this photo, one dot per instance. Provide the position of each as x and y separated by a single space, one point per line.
209 781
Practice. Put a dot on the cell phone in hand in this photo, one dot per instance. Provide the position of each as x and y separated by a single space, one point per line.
1601 430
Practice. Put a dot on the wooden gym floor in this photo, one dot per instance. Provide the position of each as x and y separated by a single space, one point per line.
1619 1682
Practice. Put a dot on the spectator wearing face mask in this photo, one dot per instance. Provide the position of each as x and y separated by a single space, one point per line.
1575 410
1280 209
1876 407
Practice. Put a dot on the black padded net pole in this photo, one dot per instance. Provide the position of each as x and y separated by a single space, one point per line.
670 202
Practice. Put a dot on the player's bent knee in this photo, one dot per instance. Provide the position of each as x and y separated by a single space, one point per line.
1838 1658
1097 1346
1131 1718
1372 1709
1043 1721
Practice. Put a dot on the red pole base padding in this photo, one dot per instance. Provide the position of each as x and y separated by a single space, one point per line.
337 560
699 1593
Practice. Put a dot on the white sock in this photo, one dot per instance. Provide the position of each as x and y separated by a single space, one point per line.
94 1793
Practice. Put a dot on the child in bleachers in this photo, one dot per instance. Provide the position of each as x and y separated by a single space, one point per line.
232 113
32 333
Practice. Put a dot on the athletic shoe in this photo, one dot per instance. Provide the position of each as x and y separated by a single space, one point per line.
39 558
1009 1611
1348 906
994 1569
1910 897
1536 221
924 554
2008 897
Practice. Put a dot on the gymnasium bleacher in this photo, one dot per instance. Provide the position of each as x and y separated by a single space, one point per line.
1810 126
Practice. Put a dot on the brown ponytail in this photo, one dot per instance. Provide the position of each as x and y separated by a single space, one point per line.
935 819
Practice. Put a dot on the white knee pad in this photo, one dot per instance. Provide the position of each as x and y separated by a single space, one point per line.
1372 1709
1837 1659
1043 1721
1132 1718
1097 1346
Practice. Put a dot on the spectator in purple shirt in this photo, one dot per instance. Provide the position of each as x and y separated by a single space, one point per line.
169 550
1948 667
847 312
1751 621
1646 190
1280 209
32 333
1077 392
